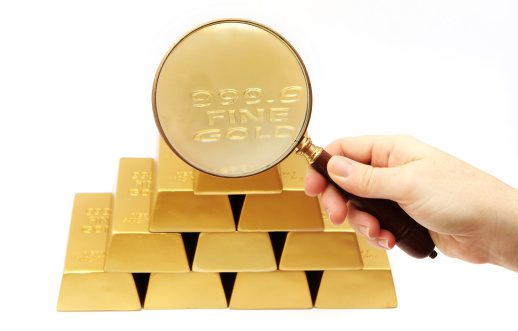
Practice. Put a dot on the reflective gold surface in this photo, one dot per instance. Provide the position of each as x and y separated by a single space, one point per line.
373 258
237 251
321 251
131 247
266 182
271 290
233 99
238 111
293 171
177 209
185 290
356 289
372 287
288 211
84 285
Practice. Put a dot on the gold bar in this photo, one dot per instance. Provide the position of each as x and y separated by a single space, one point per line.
271 290
131 247
291 210
266 182
321 251
176 208
199 290
372 287
288 211
234 251
85 286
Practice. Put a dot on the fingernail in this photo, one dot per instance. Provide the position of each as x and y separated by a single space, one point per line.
383 243
364 230
339 166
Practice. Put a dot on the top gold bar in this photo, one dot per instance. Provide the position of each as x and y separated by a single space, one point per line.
88 233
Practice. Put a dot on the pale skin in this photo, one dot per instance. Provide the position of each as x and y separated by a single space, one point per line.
470 214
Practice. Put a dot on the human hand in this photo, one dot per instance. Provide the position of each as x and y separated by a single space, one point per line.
470 214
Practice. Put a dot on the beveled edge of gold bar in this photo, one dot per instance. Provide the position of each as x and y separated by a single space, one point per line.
86 247
291 211
147 252
98 291
303 249
266 182
210 254
185 212
175 291
356 289
294 284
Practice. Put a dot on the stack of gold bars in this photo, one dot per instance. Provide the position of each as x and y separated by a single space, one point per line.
172 238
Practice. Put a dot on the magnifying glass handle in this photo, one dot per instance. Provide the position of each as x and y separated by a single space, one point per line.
411 237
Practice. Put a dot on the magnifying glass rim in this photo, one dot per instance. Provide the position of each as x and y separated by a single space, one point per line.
304 71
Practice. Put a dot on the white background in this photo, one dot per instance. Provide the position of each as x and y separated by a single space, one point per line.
75 95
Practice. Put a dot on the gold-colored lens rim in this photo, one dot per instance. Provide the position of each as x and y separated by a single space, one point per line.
305 124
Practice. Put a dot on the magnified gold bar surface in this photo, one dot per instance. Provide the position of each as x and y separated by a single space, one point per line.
234 251
201 290
321 251
85 286
372 287
266 182
288 211
271 290
177 209
131 247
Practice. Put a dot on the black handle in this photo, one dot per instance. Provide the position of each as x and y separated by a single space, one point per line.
411 237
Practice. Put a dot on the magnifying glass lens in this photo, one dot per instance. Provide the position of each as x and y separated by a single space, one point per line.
232 98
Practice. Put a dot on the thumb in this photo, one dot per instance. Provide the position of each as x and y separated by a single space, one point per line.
364 180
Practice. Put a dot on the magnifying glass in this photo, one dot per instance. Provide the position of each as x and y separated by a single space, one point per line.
232 98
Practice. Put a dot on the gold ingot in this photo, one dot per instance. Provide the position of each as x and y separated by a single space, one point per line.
131 247
372 287
267 182
271 290
176 208
292 210
239 113
85 286
234 252
202 290
288 211
321 251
